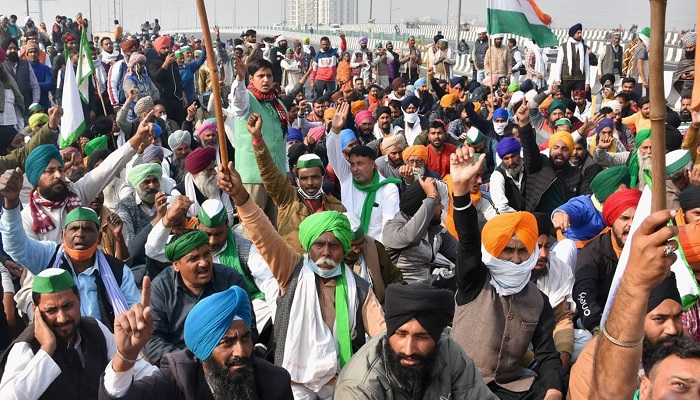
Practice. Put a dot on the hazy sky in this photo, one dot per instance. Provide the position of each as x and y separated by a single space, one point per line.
680 14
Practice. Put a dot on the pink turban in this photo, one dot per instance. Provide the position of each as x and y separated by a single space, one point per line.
363 116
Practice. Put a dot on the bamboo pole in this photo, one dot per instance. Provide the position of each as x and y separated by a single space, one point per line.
657 101
215 89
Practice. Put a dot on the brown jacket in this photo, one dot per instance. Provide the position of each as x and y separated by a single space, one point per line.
291 208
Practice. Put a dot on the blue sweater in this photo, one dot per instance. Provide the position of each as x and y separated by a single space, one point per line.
585 221
188 71
46 84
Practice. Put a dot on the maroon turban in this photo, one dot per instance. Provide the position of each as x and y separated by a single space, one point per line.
200 159
618 203
128 44
397 83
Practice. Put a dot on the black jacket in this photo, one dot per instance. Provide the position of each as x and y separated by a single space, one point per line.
181 377
595 268
168 81
548 188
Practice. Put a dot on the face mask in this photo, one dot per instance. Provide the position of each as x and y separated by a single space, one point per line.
410 118
164 117
323 273
80 255
499 127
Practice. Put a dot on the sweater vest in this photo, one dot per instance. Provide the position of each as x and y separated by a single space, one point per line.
284 307
576 74
515 196
273 135
495 331
22 78
75 381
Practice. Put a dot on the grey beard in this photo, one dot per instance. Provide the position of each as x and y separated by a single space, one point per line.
515 170
207 185
179 163
147 196
226 385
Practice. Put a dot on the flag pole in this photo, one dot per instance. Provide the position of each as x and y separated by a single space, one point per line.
214 76
657 101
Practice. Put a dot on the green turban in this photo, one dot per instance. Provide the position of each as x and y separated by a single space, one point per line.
327 221
52 280
642 135
140 172
557 105
38 160
82 214
179 247
97 143
609 180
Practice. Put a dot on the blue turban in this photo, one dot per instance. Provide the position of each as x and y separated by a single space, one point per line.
574 29
500 113
153 152
210 318
410 100
526 86
457 80
294 134
346 136
509 145
420 82
605 123
38 160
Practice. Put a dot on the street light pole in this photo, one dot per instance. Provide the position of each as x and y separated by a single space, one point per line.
370 9
459 21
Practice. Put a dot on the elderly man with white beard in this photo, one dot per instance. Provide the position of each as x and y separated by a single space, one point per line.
199 183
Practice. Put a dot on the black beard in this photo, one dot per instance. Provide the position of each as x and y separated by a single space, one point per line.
539 273
414 378
13 57
688 54
231 385
54 193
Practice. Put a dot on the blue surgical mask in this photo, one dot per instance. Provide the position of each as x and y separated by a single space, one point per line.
323 273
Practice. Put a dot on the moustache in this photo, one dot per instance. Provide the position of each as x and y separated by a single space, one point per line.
328 261
236 362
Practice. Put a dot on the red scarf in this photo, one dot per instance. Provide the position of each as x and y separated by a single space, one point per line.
43 223
271 97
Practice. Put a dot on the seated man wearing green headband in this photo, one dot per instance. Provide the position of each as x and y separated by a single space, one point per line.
106 285
62 354
324 310
192 277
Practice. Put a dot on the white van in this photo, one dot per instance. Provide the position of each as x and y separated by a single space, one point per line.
335 28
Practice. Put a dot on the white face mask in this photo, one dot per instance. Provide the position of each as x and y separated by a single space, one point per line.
410 118
499 127
164 117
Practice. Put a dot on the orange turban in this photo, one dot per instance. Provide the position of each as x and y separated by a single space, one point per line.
357 106
417 150
563 136
499 230
329 113
689 240
448 100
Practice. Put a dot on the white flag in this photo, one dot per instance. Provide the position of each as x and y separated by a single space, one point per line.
73 120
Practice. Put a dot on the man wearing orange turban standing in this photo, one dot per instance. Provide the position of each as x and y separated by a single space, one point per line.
499 311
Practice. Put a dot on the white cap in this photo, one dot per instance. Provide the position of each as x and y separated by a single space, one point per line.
212 207
498 36
516 97
482 30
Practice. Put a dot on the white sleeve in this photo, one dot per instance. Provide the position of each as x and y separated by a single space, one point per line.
241 102
340 165
555 73
498 195
156 241
90 185
27 375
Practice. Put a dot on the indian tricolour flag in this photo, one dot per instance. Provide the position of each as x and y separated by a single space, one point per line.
73 120
520 17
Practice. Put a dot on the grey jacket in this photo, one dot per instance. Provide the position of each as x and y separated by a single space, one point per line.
414 243
454 375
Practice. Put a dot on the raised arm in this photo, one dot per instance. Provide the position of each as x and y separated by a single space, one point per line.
470 270
241 102
273 180
340 165
47 135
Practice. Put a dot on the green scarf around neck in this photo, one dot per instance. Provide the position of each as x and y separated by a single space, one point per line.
229 257
371 191
342 318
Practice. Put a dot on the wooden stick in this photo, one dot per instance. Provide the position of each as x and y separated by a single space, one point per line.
215 89
657 101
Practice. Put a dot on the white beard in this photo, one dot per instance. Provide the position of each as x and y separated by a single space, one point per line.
207 185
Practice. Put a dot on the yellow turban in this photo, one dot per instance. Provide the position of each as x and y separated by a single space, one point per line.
37 119
329 113
499 230
417 150
448 100
563 136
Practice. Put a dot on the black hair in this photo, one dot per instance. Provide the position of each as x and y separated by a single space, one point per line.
36 297
395 104
644 100
605 110
437 124
628 80
512 41
363 151
116 21
258 64
102 41
655 352
251 32
95 156
325 38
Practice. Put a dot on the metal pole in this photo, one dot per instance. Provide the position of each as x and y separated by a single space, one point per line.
234 14
28 8
390 10
448 12
258 26
657 100
370 9
459 21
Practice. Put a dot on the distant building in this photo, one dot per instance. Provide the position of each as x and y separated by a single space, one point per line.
322 12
